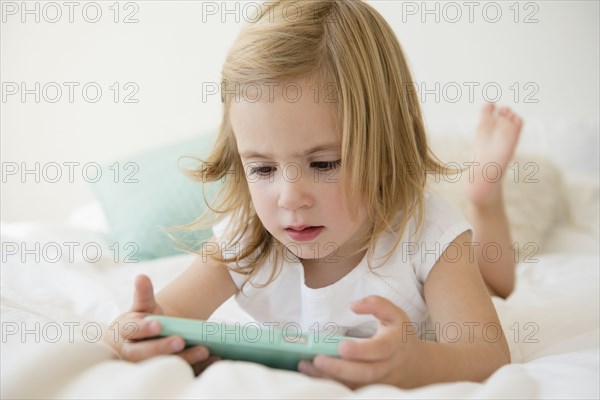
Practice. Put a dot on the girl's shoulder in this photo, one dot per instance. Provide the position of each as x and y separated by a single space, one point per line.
442 220
440 213
442 223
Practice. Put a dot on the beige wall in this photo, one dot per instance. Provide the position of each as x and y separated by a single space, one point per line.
170 52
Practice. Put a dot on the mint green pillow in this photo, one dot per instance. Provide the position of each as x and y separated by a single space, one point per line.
143 194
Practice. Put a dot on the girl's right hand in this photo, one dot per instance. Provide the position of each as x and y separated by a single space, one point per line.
137 338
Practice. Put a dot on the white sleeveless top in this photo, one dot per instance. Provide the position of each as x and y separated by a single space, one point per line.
287 303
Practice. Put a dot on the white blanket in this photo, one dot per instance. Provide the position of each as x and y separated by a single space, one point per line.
52 313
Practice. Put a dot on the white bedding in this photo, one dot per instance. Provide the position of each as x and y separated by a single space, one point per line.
551 322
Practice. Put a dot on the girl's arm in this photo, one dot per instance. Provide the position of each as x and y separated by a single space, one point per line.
471 344
457 299
198 291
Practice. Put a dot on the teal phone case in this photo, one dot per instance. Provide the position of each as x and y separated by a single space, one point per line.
248 342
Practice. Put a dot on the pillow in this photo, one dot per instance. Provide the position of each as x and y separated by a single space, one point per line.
583 197
89 216
534 193
150 193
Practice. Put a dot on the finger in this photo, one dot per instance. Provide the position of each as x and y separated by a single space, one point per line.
379 348
139 328
194 355
308 368
143 298
202 365
384 310
348 372
138 351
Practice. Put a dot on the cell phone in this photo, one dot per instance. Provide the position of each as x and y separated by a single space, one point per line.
276 348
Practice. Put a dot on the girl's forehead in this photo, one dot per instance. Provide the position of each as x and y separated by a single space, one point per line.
302 116
278 131
291 124
293 141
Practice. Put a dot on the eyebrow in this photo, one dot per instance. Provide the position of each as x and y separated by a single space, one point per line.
312 150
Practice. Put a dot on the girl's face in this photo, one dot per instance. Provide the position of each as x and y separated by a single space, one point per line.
291 155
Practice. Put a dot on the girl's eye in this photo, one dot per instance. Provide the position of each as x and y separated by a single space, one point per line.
326 165
262 171
267 170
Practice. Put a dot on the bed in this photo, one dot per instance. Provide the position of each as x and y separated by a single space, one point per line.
55 308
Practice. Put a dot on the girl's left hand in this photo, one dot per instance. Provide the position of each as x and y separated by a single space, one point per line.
388 357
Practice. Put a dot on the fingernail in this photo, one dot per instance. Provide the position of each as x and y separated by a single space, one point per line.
201 353
176 345
154 327
303 366
345 347
319 362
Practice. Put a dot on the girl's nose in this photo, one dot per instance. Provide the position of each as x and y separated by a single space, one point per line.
295 193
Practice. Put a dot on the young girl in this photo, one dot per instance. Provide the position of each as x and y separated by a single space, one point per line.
325 220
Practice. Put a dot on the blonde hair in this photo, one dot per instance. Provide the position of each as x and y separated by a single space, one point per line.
385 155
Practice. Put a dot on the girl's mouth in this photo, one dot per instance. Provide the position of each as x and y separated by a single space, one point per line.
308 233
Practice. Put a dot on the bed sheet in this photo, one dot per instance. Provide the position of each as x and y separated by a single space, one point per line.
52 313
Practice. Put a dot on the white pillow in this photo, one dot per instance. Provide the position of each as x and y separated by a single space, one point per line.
583 196
533 192
89 216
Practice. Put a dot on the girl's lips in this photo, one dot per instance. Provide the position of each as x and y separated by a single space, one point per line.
305 234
